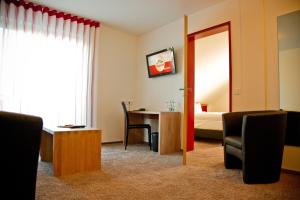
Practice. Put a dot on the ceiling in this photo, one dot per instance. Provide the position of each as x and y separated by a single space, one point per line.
133 16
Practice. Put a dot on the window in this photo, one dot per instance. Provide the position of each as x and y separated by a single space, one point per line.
46 64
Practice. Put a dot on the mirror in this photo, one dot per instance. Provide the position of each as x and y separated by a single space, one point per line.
289 60
289 73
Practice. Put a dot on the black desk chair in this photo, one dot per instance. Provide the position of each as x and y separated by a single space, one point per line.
129 126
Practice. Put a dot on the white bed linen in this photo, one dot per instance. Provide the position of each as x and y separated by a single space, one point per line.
208 120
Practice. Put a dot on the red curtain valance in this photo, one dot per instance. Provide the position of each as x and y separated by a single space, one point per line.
51 12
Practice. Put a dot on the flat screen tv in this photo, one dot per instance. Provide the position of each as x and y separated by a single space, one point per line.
161 63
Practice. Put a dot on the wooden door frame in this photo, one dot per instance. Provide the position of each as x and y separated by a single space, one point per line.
191 38
185 112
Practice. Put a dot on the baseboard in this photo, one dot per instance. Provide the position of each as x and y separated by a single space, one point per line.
288 171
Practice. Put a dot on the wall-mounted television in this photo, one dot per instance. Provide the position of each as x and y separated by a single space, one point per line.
161 63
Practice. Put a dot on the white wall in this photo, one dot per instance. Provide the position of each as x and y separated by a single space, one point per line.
254 47
115 74
152 93
212 72
289 63
273 9
247 48
288 44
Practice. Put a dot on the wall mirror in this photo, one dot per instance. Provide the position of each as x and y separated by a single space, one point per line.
289 72
289 60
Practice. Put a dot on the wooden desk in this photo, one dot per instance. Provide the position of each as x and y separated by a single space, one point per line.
168 129
71 150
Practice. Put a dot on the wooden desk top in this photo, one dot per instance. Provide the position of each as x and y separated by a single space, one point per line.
52 130
150 112
145 112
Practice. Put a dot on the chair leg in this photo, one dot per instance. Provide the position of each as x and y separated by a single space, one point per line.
232 162
149 137
264 172
125 134
126 138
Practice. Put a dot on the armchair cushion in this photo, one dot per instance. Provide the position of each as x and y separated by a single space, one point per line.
235 141
234 151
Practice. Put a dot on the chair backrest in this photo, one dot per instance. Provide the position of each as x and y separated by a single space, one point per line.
263 137
20 144
233 121
126 119
293 128
269 127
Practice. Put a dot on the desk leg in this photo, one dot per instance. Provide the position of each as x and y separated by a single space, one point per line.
46 148
169 132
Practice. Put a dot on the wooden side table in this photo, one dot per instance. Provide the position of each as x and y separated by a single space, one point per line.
71 150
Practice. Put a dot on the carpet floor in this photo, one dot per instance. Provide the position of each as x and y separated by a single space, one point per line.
139 173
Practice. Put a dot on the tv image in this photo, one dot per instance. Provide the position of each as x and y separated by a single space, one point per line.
161 62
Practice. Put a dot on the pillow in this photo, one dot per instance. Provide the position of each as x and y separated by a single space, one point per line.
204 107
198 108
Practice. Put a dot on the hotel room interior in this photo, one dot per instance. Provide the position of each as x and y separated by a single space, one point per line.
211 86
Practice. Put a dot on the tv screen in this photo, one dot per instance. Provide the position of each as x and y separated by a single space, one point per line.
161 62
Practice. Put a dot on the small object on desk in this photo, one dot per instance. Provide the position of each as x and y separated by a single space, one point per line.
71 126
140 109
171 105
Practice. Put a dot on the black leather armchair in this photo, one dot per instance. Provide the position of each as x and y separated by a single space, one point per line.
254 141
20 143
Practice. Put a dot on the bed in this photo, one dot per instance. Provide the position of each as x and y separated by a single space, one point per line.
208 125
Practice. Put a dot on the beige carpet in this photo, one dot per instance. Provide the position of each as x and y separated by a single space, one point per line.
141 174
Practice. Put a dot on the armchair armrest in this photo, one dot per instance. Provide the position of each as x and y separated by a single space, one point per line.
232 123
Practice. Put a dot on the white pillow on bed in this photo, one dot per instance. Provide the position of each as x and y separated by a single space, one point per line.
198 108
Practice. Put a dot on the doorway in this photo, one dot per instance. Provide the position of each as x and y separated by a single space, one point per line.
209 81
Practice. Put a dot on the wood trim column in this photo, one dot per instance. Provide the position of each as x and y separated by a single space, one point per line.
185 112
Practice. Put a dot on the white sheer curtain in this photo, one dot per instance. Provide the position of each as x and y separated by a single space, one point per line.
46 63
